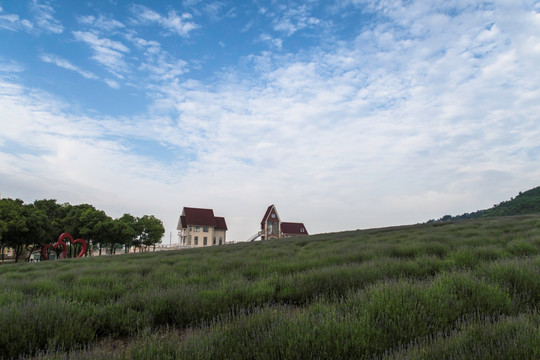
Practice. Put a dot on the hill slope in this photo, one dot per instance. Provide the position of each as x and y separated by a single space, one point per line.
444 290
527 202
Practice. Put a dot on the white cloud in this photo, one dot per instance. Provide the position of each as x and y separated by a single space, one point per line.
216 11
164 68
213 9
44 20
13 22
150 47
295 19
172 23
10 66
44 17
392 118
112 83
109 53
101 23
161 65
63 63
190 3
67 151
273 41
100 43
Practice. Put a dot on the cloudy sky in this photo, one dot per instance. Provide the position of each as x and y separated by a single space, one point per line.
345 114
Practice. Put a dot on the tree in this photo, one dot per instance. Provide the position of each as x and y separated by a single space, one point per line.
12 224
39 229
151 230
21 226
127 231
114 233
85 221
56 213
74 222
96 227
32 225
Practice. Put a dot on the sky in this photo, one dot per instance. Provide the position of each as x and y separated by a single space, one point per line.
345 114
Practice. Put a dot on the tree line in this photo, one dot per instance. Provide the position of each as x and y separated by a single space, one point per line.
527 202
26 227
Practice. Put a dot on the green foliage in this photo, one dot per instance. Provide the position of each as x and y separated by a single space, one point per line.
452 290
13 224
126 230
21 225
28 226
150 230
56 214
490 338
527 202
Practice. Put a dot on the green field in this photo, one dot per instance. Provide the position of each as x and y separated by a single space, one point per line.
463 290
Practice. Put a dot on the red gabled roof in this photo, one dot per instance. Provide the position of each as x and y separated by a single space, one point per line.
266 214
183 221
201 217
289 228
221 224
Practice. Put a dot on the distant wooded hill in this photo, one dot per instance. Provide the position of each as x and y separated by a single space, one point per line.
527 202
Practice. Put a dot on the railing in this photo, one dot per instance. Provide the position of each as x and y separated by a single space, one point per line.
252 238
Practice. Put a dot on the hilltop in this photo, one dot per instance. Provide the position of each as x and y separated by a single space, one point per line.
527 202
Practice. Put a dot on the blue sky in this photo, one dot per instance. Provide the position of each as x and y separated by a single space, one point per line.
345 114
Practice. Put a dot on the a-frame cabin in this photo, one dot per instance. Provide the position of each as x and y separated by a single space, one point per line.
272 226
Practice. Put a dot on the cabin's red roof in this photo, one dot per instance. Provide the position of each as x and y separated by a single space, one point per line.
201 217
221 224
183 221
289 228
266 214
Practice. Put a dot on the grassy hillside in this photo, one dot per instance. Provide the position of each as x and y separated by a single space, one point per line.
527 202
434 291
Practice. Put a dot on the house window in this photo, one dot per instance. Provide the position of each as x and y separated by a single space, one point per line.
189 240
275 228
196 229
214 242
301 229
205 241
205 229
196 241
220 240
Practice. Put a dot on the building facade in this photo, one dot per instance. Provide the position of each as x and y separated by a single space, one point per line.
199 227
273 228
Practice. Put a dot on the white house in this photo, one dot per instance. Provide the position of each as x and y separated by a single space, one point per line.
199 227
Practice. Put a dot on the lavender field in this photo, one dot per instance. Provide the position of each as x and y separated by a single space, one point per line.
455 290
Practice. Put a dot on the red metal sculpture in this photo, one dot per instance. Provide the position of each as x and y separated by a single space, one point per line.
61 243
